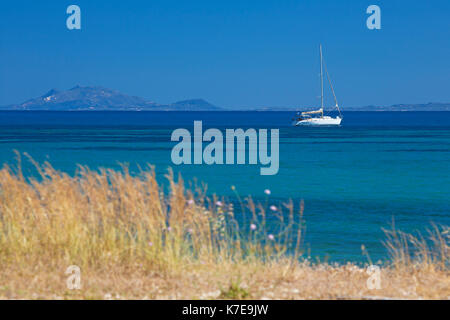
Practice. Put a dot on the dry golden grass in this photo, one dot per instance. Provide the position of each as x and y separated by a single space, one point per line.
131 240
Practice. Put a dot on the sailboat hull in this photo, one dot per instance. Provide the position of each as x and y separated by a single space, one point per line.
322 121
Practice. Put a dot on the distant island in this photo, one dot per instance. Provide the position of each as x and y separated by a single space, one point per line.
96 98
431 106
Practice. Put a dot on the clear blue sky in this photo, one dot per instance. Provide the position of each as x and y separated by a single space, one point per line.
231 53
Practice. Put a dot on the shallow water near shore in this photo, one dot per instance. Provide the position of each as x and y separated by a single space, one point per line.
354 179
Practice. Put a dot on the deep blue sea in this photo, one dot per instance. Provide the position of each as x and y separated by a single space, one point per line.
354 179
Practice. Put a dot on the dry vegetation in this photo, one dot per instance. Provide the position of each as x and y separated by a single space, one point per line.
131 240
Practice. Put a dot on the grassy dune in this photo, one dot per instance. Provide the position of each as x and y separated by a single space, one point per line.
131 240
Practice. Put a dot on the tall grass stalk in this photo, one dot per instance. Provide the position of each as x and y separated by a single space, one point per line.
105 216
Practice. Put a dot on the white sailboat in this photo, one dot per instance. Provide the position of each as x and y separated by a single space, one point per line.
317 117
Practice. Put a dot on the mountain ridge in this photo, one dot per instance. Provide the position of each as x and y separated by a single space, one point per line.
97 98
430 106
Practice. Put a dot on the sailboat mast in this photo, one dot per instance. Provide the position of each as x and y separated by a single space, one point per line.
321 80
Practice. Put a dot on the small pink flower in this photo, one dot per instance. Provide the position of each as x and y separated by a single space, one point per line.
253 226
273 208
190 202
169 229
189 230
271 237
267 191
150 244
219 203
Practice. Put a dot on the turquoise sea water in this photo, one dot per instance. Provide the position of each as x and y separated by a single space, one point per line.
354 179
